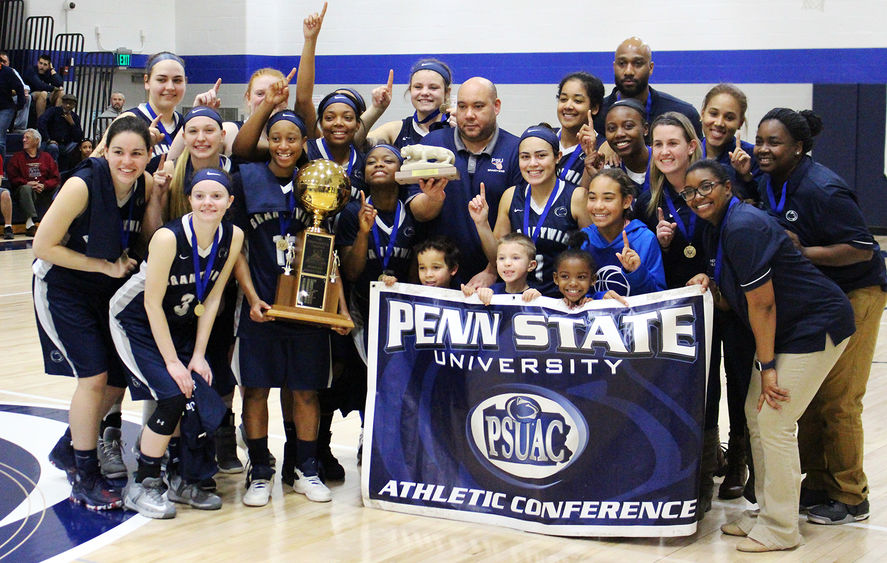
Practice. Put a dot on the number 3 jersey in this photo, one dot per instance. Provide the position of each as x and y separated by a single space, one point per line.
128 304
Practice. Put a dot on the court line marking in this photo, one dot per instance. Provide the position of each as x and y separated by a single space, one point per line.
25 520
2 295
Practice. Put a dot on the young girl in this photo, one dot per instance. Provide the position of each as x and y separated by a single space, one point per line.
429 91
630 264
626 129
437 260
546 209
723 113
579 97
515 260
574 274
277 354
161 327
83 254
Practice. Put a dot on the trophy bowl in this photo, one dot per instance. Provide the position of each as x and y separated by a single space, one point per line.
323 188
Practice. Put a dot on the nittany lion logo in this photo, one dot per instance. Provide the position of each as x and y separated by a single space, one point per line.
525 434
612 277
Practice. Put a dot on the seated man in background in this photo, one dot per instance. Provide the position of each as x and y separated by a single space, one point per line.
5 207
34 178
45 84
60 128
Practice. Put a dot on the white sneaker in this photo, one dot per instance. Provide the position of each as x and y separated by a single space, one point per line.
258 491
310 484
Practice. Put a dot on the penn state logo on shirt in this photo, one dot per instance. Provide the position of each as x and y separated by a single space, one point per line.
409 232
526 432
612 277
560 211
498 163
791 215
56 356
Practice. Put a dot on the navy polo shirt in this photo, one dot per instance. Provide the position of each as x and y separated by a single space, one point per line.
661 103
757 250
822 210
496 166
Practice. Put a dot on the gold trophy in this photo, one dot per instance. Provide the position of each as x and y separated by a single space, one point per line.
309 289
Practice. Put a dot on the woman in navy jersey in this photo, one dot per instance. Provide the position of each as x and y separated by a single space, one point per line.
429 90
626 129
579 97
83 249
723 114
276 354
161 322
801 323
822 217
545 209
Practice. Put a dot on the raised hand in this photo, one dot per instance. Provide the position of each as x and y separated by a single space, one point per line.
210 98
739 159
478 207
594 160
156 136
382 94
163 174
630 259
434 188
664 230
278 93
366 217
312 24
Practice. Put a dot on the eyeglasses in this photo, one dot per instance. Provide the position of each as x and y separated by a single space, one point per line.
703 189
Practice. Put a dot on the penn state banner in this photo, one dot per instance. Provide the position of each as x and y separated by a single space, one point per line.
529 415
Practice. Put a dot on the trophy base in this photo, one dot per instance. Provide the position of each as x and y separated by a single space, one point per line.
432 170
318 318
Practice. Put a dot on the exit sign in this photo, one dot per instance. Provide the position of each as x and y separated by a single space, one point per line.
123 57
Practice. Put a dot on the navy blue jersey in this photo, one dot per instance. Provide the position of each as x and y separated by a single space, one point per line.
551 237
755 250
571 165
408 230
410 134
355 168
263 210
128 304
822 210
163 146
679 268
131 213
496 167
742 189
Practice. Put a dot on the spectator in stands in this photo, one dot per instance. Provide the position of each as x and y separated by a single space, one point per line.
21 118
110 114
10 101
34 177
45 83
60 128
5 207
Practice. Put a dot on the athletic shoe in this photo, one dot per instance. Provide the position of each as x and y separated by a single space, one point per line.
93 492
259 481
147 499
62 457
836 512
810 499
31 231
309 484
191 494
7 233
111 454
329 467
241 443
226 451
208 485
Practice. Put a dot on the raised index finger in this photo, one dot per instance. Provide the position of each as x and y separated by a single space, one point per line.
289 77
217 86
483 191
625 240
738 140
661 214
155 121
323 12
390 84
590 119
161 162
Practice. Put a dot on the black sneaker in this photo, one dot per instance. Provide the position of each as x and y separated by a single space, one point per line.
329 467
7 233
226 450
836 512
62 457
811 498
93 492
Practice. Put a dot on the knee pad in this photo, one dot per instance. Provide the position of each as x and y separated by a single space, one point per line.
167 415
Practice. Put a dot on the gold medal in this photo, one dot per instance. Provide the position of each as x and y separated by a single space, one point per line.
690 251
282 244
199 309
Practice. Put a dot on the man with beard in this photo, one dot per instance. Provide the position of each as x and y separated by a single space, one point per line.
111 113
631 69
485 155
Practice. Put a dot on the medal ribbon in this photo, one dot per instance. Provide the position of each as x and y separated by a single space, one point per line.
685 230
201 283
772 198
428 118
392 238
352 158
648 105
285 224
124 231
160 126
719 259
570 161
534 234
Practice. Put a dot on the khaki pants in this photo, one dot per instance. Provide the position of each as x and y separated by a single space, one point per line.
774 444
830 436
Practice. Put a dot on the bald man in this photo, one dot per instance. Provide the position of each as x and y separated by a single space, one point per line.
632 68
484 154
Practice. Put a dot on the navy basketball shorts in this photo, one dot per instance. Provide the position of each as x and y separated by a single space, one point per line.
75 334
300 362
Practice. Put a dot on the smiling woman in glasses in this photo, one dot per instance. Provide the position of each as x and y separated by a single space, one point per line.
801 322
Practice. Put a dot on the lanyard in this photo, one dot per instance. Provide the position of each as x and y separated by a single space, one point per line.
772 198
428 118
534 234
719 259
160 126
570 161
351 158
124 230
685 230
392 237
646 185
202 282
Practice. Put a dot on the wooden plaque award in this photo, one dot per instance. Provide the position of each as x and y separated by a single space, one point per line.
309 289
